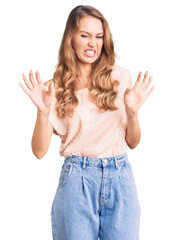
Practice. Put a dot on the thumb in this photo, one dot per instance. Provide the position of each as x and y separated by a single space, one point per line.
51 89
127 91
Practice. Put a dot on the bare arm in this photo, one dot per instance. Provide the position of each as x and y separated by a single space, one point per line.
134 98
41 136
42 133
133 133
41 95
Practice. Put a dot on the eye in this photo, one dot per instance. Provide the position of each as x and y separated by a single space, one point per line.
84 36
99 37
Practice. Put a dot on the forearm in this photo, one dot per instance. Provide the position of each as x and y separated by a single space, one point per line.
41 135
133 133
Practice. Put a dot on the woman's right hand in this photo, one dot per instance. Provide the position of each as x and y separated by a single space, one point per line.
40 94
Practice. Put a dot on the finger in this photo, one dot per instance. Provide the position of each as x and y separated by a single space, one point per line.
149 83
127 91
143 84
150 92
38 78
51 88
137 83
32 78
28 84
25 89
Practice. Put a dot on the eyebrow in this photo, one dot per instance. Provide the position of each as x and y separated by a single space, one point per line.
90 34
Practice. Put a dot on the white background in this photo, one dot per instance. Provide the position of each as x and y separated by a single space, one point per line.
31 32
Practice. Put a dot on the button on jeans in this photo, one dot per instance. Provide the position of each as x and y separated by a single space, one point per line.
96 198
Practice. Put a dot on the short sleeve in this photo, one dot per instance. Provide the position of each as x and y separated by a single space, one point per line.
58 124
52 120
126 80
129 84
123 75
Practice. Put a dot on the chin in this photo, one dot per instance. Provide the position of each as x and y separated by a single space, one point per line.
90 61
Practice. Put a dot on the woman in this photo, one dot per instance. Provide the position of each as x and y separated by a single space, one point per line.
92 106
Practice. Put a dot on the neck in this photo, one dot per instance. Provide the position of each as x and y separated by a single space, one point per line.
84 70
83 75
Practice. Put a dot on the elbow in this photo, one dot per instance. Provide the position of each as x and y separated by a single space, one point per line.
132 141
133 145
38 155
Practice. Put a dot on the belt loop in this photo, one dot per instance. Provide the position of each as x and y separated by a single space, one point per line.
116 163
84 162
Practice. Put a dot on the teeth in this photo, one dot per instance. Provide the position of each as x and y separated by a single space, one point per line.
90 52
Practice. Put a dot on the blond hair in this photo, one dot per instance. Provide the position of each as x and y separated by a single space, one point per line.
103 90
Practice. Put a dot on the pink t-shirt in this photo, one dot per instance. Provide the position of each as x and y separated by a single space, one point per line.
90 133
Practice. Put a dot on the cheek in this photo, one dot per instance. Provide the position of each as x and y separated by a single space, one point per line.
77 46
101 45
75 43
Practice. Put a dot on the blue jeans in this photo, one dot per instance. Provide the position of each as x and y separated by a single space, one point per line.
96 198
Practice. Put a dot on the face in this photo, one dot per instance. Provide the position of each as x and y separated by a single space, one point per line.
88 40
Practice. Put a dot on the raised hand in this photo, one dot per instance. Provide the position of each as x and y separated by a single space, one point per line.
135 97
40 94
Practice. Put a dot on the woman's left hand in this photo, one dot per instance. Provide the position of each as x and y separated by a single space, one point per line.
135 97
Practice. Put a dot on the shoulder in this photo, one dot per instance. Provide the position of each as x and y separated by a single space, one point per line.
120 72
123 75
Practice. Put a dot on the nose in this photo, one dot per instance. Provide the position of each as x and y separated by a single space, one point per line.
92 42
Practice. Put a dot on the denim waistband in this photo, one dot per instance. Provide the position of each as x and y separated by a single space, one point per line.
90 161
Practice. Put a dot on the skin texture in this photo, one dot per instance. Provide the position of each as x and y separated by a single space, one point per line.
134 98
88 37
41 95
87 44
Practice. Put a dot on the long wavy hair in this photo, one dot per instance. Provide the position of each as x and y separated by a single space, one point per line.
103 91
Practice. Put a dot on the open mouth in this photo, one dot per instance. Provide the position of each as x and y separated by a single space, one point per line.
90 53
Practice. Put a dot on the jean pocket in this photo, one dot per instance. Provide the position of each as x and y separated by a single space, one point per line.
66 172
127 173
